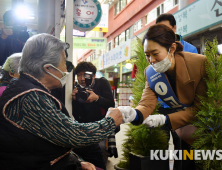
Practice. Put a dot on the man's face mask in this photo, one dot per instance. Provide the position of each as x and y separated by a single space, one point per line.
64 75
164 65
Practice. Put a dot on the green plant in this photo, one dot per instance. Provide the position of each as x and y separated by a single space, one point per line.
209 118
141 63
140 139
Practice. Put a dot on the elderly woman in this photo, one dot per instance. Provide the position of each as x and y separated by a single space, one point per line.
36 132
9 70
176 77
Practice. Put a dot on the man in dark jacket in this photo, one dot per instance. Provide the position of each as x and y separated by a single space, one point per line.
12 37
96 105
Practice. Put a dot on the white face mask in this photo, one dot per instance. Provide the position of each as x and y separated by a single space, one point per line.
162 66
64 75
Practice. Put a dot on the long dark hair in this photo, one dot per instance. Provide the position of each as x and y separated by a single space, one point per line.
162 35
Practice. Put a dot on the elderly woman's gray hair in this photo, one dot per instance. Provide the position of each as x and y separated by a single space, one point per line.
12 63
39 50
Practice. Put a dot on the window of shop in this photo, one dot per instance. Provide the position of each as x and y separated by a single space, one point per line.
127 34
175 2
169 4
160 10
92 56
122 4
147 19
88 59
122 38
138 25
151 16
117 8
116 41
109 46
128 1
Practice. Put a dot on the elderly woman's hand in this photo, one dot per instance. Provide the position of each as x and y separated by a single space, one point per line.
116 115
87 166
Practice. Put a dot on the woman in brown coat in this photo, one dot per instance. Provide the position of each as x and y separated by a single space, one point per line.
177 78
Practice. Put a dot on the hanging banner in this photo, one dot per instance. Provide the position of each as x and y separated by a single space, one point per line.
117 55
101 62
198 16
103 24
86 15
89 43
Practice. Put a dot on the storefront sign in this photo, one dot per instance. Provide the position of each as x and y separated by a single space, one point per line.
103 24
117 55
86 15
198 16
168 5
89 43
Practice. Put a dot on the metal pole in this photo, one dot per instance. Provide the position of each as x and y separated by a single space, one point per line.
69 39
57 18
121 72
46 16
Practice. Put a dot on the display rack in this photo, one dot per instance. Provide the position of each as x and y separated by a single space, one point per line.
124 92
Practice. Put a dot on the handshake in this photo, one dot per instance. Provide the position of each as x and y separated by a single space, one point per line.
125 114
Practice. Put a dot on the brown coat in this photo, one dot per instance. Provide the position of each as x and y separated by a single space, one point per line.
190 71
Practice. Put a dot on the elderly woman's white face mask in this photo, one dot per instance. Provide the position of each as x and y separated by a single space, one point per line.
64 75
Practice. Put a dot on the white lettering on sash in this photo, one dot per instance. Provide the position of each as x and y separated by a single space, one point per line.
155 77
173 103
161 88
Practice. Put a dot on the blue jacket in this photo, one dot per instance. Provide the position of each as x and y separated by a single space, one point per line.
188 48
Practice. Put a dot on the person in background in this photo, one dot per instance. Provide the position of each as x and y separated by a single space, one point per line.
178 78
169 20
9 70
36 130
13 35
93 109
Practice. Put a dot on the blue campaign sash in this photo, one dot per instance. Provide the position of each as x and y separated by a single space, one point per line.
159 84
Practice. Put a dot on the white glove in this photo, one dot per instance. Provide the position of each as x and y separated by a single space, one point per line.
154 120
129 114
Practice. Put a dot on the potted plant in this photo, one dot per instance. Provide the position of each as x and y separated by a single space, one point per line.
209 118
140 139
